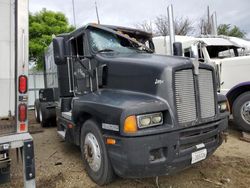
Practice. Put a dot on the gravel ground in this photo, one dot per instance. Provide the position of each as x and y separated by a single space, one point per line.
58 164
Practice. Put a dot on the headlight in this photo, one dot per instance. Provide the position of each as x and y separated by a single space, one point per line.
223 106
149 120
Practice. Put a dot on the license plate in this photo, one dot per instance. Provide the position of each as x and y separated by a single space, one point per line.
3 156
199 155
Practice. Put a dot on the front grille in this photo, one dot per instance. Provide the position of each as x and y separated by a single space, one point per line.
185 95
206 90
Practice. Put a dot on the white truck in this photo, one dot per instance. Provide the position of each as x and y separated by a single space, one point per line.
14 89
231 62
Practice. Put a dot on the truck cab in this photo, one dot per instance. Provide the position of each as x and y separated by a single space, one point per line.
133 113
231 63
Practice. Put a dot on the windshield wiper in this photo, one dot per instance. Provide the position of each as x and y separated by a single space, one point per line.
105 50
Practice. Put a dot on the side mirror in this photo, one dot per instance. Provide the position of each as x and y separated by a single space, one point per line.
194 49
59 50
177 46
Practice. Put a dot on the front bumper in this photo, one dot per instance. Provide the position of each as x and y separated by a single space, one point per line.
162 154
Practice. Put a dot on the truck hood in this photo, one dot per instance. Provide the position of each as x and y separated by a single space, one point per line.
141 72
144 59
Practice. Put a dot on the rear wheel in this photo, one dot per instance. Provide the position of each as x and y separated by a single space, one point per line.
37 106
42 115
241 111
94 154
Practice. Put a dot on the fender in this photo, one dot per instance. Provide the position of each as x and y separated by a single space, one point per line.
237 90
113 106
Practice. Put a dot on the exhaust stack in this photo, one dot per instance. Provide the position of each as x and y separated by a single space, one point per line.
214 30
171 28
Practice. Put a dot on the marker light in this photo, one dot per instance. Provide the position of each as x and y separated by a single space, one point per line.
22 111
23 81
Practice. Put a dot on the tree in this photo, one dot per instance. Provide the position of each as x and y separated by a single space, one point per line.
182 26
42 26
161 24
145 26
228 30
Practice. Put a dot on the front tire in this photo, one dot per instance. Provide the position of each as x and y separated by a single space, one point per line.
241 111
94 154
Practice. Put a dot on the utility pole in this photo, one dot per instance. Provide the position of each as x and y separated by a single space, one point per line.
97 15
74 15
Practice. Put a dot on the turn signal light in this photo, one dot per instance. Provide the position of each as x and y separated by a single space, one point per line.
22 127
130 125
111 141
22 111
23 81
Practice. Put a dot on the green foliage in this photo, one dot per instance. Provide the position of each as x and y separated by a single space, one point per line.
42 26
228 30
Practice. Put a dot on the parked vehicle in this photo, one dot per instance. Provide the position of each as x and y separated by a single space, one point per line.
133 113
13 82
232 65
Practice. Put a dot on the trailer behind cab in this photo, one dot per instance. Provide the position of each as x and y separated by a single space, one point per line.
14 92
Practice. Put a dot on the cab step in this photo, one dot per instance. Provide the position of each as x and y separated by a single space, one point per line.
61 134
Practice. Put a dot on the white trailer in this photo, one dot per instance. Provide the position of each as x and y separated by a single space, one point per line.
14 88
231 62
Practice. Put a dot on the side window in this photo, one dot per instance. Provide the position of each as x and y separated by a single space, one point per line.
227 53
77 46
187 52
79 66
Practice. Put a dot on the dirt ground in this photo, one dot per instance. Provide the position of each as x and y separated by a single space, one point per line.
58 164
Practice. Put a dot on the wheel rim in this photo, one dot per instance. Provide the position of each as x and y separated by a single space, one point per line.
245 112
92 152
35 112
40 115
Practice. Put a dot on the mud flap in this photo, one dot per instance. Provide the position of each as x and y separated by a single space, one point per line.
29 164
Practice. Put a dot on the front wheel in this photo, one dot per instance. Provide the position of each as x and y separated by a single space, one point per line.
94 154
241 111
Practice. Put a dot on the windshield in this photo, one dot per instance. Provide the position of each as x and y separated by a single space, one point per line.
103 41
224 51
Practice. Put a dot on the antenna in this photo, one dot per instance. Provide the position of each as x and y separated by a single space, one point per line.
74 14
97 15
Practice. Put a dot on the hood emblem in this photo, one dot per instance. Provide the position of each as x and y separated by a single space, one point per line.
158 81
196 64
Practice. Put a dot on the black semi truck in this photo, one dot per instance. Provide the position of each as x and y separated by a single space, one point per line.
133 113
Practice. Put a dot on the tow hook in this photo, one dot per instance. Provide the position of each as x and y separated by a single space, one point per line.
224 136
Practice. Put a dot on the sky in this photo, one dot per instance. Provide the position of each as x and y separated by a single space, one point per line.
131 12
